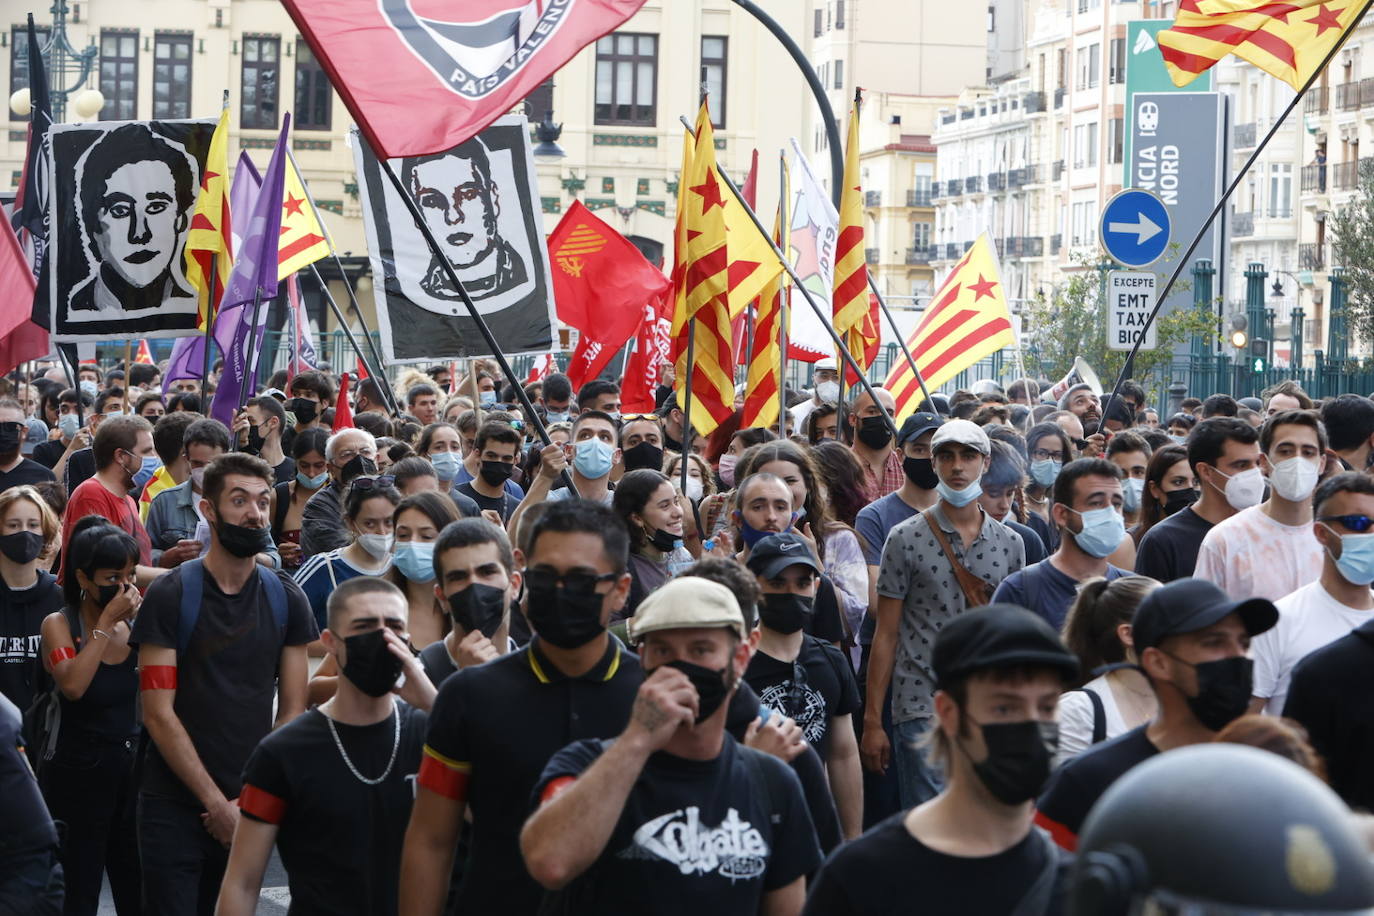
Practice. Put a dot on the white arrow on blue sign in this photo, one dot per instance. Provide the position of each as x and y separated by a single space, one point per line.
1135 227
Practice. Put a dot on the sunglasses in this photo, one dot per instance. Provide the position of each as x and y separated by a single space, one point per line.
1356 523
543 579
385 481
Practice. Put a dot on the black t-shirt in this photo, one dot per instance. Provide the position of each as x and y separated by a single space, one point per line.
227 677
26 471
49 452
502 505
695 836
494 728
1332 695
828 688
286 471
297 779
21 622
1077 785
24 820
888 872
80 468
825 622
1168 551
438 665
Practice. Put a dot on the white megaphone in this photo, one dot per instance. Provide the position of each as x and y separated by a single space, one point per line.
1081 373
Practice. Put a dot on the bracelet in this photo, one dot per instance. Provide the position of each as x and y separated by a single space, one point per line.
99 632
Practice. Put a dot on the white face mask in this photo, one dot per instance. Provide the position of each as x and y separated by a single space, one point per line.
694 489
1244 489
1294 478
378 546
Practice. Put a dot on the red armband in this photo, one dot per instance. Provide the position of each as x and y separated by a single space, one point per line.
443 776
158 677
554 787
1061 834
262 805
59 655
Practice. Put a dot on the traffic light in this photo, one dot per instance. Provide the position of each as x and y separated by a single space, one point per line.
1239 338
1259 364
1259 347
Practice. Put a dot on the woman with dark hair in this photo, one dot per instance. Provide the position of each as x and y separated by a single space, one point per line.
89 781
28 593
1169 487
652 510
289 498
843 478
389 451
1098 630
1180 425
1049 449
1284 737
415 526
823 424
441 445
1002 486
368 504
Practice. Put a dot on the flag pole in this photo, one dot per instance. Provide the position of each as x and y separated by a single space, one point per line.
452 276
71 370
250 368
901 342
387 393
1226 195
209 336
128 362
785 230
826 322
687 434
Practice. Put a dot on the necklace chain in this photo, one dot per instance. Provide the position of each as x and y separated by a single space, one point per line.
395 748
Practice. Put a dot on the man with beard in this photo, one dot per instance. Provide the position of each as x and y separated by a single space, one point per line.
1083 404
123 449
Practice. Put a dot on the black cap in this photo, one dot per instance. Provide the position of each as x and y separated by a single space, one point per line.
775 552
916 425
999 636
1189 605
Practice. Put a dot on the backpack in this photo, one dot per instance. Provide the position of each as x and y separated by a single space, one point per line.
193 587
43 718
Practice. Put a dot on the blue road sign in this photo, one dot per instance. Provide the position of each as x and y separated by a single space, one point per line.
1135 227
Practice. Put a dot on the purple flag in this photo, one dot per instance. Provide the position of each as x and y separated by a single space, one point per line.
254 278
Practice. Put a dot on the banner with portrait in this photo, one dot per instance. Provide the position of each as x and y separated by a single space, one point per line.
481 201
122 193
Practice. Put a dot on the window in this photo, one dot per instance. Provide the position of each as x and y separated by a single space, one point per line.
1085 145
1063 69
1089 66
713 68
539 102
172 75
992 19
1116 62
626 79
816 28
1084 229
258 100
119 74
839 14
920 235
19 60
314 98
1280 190
839 74
1116 134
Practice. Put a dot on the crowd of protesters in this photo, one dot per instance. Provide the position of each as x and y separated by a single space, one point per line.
436 665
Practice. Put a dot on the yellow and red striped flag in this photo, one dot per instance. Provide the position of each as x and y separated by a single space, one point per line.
856 317
208 240
144 354
1287 39
966 320
703 278
302 241
765 360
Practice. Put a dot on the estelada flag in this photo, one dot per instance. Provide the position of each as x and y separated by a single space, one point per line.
302 241
1287 39
601 283
422 76
209 246
966 320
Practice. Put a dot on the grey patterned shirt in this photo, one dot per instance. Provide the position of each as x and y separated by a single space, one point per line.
914 569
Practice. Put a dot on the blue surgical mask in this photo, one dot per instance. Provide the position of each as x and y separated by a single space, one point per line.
1356 562
959 498
560 417
1103 531
487 399
147 469
1046 472
592 458
69 423
1131 488
88 387
312 483
751 535
445 464
415 560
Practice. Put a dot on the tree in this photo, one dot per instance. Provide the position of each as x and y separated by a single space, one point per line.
1352 247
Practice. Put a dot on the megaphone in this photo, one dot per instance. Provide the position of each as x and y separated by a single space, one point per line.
1080 374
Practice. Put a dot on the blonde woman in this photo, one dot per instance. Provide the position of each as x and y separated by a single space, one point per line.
28 593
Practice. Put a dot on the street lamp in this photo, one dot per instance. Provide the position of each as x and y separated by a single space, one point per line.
547 133
63 60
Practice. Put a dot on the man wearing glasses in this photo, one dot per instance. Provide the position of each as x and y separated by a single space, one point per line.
1339 600
349 452
572 682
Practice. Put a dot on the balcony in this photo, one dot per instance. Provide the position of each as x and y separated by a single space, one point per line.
871 255
1311 256
920 255
947 119
1348 96
955 187
973 184
1345 176
918 197
1242 225
1023 246
1314 178
931 196
873 198
953 250
1243 135
1316 100
1056 243
1033 102
1058 171
1059 96
1367 92
997 181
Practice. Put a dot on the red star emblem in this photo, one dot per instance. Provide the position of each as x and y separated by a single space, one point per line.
709 191
982 288
292 205
1326 19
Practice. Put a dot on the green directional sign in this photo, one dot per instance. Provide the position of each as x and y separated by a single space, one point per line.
1145 72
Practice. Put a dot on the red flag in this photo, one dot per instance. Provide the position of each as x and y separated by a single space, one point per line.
20 339
462 64
601 283
651 350
541 368
343 414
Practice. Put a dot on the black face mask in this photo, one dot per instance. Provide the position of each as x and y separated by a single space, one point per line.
371 667
1179 499
874 432
21 546
496 473
479 607
104 594
242 542
256 440
11 434
565 619
1020 757
1223 690
663 541
643 455
786 613
303 409
921 472
358 466
711 685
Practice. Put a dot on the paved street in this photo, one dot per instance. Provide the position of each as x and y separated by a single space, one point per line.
273 902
